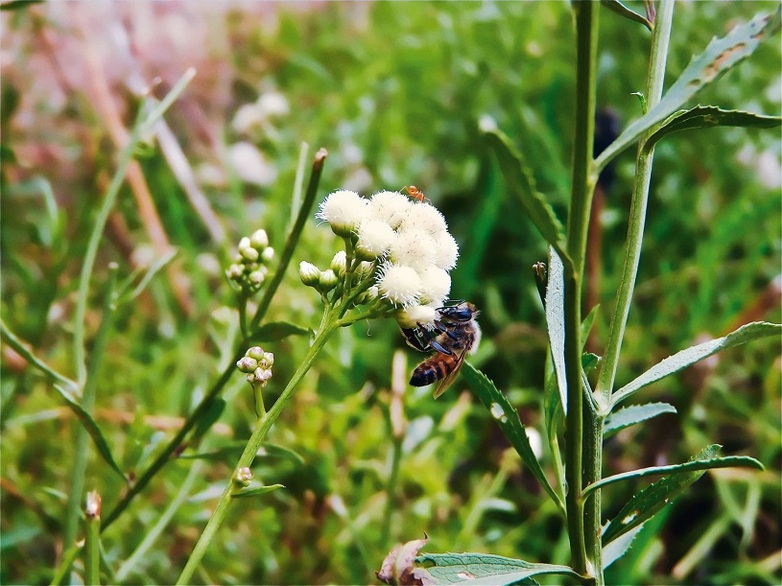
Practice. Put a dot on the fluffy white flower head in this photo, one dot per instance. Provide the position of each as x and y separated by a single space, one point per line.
400 284
390 206
436 284
416 315
413 248
426 217
374 238
343 210
446 251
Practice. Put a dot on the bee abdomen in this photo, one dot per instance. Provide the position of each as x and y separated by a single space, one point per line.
430 371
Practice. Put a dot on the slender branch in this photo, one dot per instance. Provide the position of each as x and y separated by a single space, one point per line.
586 13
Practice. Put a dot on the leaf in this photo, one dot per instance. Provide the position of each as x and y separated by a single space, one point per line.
256 490
620 546
709 117
235 449
632 415
92 428
622 10
277 330
589 361
719 56
522 185
508 420
210 416
649 501
481 568
683 359
398 567
555 321
148 274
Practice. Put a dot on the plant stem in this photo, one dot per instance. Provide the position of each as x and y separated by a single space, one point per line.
635 228
81 451
396 458
253 444
584 546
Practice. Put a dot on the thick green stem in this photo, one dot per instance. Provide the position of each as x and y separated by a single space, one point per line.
586 14
637 220
254 443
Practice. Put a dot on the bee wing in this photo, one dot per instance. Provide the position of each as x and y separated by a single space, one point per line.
447 380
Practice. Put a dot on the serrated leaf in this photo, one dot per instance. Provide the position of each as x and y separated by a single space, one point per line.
508 420
683 359
277 330
634 414
709 117
92 429
622 10
620 546
555 321
521 184
481 568
650 500
256 490
719 56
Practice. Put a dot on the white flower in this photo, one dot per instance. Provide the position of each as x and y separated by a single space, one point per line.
259 239
390 207
416 315
267 254
446 251
413 248
374 238
400 284
272 104
426 217
343 210
436 284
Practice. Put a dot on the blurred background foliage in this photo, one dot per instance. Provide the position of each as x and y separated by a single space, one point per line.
395 91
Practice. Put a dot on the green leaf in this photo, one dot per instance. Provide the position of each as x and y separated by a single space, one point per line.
522 185
589 361
481 568
508 420
620 546
622 10
719 56
256 490
683 359
555 321
709 117
649 501
632 415
277 330
92 428
148 274
235 449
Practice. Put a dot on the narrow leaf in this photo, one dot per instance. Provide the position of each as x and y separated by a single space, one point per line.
620 546
709 117
555 321
256 490
277 330
719 56
683 359
92 428
508 420
632 415
622 10
649 501
522 185
481 568
210 416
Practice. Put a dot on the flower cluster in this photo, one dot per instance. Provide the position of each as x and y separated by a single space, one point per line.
249 268
257 364
397 257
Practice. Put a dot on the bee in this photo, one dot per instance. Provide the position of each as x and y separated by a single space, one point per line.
415 193
455 333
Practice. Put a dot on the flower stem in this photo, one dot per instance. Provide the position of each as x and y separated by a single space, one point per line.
329 325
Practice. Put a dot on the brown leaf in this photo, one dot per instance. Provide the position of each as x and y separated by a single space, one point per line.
398 567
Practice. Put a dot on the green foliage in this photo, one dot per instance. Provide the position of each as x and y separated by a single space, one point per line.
396 93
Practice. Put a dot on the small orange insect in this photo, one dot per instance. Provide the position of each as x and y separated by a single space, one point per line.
415 193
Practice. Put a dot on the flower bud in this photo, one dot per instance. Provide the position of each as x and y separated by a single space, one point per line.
339 263
249 253
247 364
243 476
235 272
328 280
256 278
259 239
309 273
255 352
268 254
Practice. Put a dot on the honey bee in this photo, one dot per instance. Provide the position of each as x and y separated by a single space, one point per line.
455 333
415 193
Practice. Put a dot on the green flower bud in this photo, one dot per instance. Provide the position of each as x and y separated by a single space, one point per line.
328 280
309 273
259 239
268 254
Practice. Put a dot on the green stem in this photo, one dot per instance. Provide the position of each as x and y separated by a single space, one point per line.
254 443
393 479
81 451
584 545
92 563
293 237
635 228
